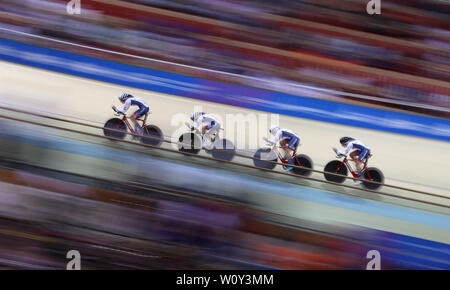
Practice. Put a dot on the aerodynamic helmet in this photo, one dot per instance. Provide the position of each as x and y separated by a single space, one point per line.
124 96
345 140
274 129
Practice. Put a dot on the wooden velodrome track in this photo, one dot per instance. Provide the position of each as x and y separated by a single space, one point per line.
409 162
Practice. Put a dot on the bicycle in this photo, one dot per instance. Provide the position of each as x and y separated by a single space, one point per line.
192 142
273 154
337 167
117 128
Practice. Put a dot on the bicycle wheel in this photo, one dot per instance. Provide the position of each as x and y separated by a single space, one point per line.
152 136
189 142
115 124
223 150
375 175
304 161
332 167
263 155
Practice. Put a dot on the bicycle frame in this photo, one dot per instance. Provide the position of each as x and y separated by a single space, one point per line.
200 133
350 168
127 123
281 157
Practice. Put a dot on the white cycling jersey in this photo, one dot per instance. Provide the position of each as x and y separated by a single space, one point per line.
208 119
133 101
354 144
283 134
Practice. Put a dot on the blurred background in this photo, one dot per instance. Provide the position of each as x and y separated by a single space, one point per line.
400 57
125 207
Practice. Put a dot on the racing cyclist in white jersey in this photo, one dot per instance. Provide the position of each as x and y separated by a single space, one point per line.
361 152
208 125
129 100
287 139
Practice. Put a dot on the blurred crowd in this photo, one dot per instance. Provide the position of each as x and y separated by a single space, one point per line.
43 218
401 54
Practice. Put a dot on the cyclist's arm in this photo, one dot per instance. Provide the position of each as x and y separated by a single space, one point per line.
126 106
276 138
198 123
347 149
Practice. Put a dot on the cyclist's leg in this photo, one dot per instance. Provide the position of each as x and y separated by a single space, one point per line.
358 167
354 156
136 115
214 131
142 113
206 137
291 148
284 147
292 145
133 118
144 118
210 133
361 156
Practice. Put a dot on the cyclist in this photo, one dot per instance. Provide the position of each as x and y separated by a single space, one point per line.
287 139
209 127
129 100
361 152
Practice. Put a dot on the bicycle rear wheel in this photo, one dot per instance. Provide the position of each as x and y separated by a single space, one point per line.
223 150
375 175
152 136
304 161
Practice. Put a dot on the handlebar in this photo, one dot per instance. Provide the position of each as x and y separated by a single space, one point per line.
269 143
338 155
117 112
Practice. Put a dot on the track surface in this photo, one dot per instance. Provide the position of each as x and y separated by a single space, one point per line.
288 196
410 162
406 161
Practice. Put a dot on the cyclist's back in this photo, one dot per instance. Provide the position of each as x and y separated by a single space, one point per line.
135 101
288 134
356 144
